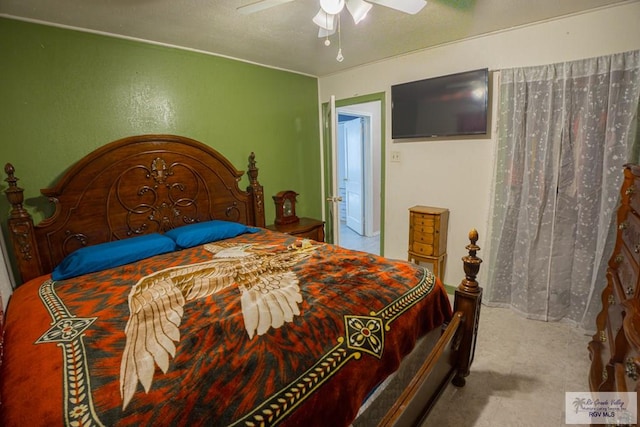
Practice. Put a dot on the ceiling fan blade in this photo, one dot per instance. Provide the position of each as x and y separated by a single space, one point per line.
358 9
325 20
260 5
407 6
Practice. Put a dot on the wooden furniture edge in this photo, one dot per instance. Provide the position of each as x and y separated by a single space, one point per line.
452 355
304 226
614 347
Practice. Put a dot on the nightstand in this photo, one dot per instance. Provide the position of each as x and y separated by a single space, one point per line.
428 237
306 228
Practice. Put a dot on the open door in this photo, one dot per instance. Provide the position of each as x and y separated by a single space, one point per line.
368 191
351 140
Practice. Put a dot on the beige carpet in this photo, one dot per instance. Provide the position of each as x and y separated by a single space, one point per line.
521 371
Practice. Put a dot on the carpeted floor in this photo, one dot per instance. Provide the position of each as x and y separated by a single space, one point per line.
521 371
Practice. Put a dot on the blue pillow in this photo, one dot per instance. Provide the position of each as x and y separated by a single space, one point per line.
206 232
90 259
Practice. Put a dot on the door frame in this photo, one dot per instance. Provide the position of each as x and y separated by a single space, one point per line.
327 152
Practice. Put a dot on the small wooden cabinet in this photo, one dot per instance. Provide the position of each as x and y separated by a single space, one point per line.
615 347
428 237
306 228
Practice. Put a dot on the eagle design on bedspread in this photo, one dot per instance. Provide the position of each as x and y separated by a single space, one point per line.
269 297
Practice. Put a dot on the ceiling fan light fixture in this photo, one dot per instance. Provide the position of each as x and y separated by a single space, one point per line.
328 17
358 9
332 7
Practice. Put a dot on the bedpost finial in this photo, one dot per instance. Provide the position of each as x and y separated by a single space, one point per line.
253 170
472 247
473 236
14 193
471 264
10 170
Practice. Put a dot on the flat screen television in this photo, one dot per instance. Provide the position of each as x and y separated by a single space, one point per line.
450 105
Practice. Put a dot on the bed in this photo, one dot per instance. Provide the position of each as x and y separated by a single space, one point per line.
155 296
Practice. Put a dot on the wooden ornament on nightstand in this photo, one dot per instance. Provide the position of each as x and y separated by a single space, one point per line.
285 207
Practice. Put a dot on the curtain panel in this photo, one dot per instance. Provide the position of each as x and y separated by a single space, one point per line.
564 132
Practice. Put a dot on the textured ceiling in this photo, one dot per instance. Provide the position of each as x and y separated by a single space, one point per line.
284 36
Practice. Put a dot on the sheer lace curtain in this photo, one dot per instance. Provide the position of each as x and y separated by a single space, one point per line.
564 132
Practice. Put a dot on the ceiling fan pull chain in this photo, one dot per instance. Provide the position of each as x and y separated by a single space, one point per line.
327 42
339 58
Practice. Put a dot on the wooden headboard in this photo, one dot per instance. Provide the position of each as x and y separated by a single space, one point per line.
133 186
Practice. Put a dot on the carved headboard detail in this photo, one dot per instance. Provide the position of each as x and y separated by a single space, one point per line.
133 186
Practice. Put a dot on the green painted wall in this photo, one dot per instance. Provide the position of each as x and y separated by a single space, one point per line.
64 93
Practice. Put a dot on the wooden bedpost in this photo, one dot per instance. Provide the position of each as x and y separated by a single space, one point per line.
21 231
450 358
257 192
468 298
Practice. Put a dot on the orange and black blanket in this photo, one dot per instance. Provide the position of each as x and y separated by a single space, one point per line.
261 329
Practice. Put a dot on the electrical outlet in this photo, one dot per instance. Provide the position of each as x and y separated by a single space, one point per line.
395 156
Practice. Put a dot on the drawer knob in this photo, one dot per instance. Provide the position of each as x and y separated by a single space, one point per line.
612 300
603 336
636 248
619 259
630 190
623 226
630 290
630 368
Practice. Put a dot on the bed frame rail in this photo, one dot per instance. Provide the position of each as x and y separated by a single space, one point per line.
452 355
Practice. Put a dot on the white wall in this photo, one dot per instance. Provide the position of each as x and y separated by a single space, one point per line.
457 174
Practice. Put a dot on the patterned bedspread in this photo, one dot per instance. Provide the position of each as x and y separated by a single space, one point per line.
255 330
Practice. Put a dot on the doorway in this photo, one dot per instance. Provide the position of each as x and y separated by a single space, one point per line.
359 163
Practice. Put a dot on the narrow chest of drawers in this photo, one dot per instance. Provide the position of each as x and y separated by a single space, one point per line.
428 237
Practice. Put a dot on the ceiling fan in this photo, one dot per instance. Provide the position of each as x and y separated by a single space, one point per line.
330 10
328 17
